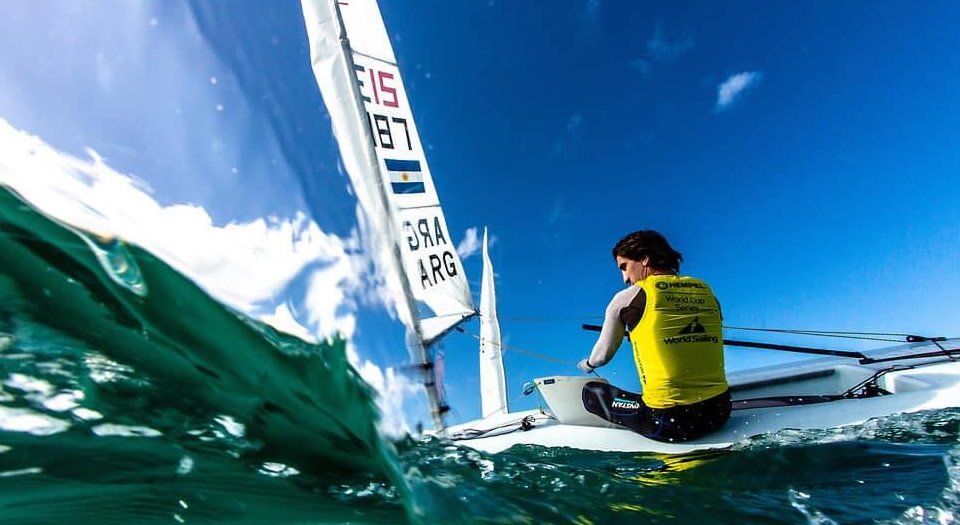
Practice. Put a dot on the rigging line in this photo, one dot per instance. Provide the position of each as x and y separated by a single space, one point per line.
521 350
811 332
378 59
795 331
509 402
525 423
533 319
856 337
455 314
597 328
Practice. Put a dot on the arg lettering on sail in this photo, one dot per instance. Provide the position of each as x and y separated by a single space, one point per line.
430 259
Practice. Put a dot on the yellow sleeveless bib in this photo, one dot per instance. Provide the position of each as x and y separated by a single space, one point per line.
678 345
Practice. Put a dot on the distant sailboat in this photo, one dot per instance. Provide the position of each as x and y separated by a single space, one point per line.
493 381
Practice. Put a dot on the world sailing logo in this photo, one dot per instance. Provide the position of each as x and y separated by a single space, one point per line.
694 332
693 328
405 176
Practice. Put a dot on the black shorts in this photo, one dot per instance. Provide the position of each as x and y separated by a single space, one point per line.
679 423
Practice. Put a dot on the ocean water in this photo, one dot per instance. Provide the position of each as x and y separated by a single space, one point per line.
127 395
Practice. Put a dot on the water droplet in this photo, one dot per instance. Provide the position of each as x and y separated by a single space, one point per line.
185 466
118 262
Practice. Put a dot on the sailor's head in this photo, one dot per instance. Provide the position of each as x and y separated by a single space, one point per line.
644 253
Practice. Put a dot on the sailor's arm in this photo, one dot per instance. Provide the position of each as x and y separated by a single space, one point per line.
611 334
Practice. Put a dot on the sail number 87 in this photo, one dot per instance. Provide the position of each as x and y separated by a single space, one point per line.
389 132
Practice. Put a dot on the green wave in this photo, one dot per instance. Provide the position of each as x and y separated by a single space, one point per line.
304 401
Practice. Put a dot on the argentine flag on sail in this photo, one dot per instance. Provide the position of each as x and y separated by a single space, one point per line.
405 176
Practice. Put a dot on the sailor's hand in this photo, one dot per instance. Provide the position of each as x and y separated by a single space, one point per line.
584 366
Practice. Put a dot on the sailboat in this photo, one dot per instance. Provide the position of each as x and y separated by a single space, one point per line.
357 73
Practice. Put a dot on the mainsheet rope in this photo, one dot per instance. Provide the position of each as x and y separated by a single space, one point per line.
521 350
842 334
865 336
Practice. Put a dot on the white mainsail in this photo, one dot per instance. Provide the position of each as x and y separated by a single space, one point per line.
493 384
382 154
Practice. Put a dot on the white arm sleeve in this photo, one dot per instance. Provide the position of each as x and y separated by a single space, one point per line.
611 335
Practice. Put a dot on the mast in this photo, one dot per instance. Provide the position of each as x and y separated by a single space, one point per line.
381 150
415 338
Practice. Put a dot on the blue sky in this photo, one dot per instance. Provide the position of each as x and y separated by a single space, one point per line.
823 194
804 159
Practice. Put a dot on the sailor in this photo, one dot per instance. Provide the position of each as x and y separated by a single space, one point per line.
674 324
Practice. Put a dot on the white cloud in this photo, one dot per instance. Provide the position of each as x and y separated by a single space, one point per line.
663 49
470 244
241 264
394 389
282 319
660 49
731 88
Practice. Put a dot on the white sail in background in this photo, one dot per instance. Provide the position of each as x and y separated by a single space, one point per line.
384 159
493 385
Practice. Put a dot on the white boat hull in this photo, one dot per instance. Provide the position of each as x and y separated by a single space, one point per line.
919 384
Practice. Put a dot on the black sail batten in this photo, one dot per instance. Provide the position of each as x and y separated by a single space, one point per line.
797 349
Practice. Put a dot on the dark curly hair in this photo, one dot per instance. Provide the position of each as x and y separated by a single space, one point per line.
649 243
